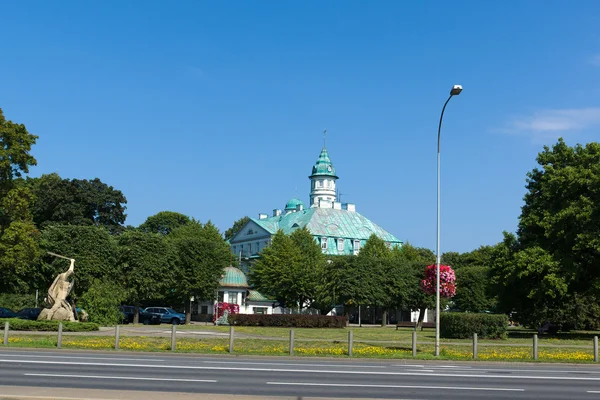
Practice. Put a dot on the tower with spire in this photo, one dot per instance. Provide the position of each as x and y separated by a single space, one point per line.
322 182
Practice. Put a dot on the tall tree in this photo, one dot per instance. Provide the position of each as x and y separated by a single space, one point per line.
164 222
237 225
202 255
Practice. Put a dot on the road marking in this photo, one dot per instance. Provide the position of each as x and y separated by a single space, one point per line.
593 391
398 386
419 370
85 358
299 365
124 378
295 371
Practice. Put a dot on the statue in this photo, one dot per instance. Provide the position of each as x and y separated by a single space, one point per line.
59 308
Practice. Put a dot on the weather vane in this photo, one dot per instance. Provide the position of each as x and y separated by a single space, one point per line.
324 137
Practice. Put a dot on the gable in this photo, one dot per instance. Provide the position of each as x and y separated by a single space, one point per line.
250 231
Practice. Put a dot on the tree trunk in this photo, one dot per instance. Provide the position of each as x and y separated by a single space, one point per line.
136 315
421 316
188 311
384 314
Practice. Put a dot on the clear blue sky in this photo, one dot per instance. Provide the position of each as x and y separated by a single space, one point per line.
216 109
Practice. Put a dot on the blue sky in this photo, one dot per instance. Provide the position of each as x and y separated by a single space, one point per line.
216 109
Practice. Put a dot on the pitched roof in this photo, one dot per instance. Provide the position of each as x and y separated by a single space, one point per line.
327 222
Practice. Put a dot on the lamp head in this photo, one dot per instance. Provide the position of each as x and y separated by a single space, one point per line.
456 89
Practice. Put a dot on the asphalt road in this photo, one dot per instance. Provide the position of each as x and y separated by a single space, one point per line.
294 377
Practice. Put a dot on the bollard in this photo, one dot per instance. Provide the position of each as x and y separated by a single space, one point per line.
231 338
117 337
535 347
414 343
291 342
174 338
595 348
6 326
350 343
474 346
59 342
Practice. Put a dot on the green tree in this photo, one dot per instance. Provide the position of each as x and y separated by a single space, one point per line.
147 261
202 255
76 202
101 301
164 222
237 225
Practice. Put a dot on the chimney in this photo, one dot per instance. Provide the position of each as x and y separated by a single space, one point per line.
276 212
262 216
299 207
349 207
337 205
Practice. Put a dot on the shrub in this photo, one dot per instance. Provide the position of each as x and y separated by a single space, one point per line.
17 302
102 301
288 320
464 325
16 324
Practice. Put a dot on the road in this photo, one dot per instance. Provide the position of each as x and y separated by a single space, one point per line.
291 377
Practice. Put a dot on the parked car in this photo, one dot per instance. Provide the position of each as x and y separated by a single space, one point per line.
29 313
144 317
548 327
166 315
7 313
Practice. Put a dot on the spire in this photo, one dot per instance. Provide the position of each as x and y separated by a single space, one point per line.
325 138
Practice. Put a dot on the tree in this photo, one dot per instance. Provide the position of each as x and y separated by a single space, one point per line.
102 300
76 202
202 256
147 261
164 222
237 225
15 145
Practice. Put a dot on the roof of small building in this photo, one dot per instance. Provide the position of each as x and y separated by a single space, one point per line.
327 222
293 203
253 295
323 166
233 277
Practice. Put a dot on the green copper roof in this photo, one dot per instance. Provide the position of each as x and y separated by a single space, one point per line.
291 205
330 223
253 295
233 277
323 165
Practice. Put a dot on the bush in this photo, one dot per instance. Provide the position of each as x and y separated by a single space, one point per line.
16 324
17 302
288 320
102 302
464 325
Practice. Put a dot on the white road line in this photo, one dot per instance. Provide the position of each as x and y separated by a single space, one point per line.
298 365
419 370
397 386
124 378
84 358
295 371
593 391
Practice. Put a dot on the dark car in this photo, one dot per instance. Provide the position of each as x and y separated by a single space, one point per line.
29 313
166 315
144 317
7 313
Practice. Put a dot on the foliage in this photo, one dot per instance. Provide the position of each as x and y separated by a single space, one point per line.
16 324
464 325
221 307
15 145
93 248
147 261
237 225
164 222
289 270
76 202
202 255
17 302
473 291
102 301
447 280
288 320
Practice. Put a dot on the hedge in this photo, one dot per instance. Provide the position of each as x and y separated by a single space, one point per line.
16 324
288 320
455 325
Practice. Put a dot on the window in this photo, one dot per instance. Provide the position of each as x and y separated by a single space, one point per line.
220 296
260 310
324 243
233 297
356 246
204 310
340 244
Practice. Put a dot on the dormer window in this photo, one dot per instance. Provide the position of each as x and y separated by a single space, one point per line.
340 244
324 243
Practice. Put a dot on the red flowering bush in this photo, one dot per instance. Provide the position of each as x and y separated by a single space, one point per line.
447 280
222 306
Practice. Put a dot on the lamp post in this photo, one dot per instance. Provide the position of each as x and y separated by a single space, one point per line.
455 91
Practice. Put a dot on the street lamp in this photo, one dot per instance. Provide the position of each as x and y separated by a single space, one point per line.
455 91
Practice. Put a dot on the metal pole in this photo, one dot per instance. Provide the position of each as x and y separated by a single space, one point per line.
117 337
350 343
595 348
6 326
231 338
173 337
438 254
414 343
535 346
291 342
474 346
60 329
